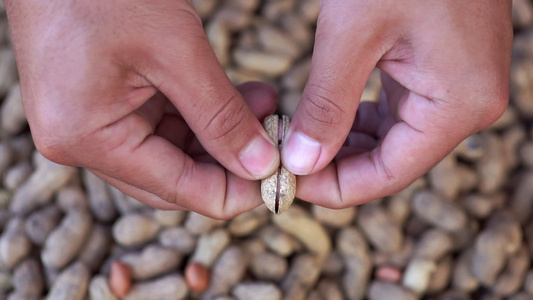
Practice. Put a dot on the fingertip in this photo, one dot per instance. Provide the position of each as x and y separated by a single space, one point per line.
300 153
260 157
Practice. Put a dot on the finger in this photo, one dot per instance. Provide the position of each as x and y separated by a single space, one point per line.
342 62
140 195
259 98
244 194
412 146
196 84
165 120
132 155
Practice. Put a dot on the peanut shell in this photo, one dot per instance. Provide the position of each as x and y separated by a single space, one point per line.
279 189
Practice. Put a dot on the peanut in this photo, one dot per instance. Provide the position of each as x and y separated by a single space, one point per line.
279 189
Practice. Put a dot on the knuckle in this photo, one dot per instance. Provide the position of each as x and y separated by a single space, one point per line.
53 139
376 158
225 122
53 148
489 110
321 104
172 196
173 193
494 111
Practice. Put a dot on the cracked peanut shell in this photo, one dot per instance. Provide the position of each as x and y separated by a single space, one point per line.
278 189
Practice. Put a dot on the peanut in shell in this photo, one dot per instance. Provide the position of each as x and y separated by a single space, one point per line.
278 190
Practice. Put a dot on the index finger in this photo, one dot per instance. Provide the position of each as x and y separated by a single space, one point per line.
156 172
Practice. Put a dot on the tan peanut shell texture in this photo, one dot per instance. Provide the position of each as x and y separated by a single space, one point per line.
279 189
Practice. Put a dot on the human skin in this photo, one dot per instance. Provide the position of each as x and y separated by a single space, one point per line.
445 74
132 91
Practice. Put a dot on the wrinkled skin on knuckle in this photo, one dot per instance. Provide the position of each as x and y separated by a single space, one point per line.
321 105
51 134
50 149
376 158
226 120
171 196
172 192
53 146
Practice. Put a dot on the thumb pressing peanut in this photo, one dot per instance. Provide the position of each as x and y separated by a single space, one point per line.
339 71
213 108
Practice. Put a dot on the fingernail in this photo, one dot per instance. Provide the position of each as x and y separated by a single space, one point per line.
300 153
260 157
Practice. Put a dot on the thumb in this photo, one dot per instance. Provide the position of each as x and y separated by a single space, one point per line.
191 77
343 58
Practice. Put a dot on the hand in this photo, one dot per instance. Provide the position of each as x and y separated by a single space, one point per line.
133 91
445 76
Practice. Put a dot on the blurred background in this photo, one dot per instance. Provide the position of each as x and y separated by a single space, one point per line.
463 231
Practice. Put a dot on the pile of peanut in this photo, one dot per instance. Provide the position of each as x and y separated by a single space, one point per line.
463 231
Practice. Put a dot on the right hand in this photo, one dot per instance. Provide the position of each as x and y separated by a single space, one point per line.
124 88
